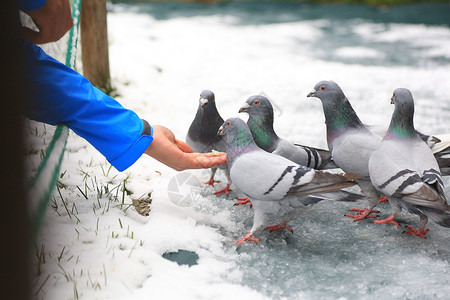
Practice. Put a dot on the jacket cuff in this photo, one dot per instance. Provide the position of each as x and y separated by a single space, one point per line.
136 150
132 154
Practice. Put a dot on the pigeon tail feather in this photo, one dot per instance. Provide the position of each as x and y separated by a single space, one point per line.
441 217
321 189
342 196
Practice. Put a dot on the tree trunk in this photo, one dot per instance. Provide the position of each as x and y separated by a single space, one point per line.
94 43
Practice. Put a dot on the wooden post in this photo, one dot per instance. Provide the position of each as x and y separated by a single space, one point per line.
94 43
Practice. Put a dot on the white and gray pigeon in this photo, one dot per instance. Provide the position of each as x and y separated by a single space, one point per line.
350 142
260 122
276 186
404 169
202 134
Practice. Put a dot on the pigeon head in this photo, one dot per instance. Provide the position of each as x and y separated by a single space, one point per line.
327 91
402 122
239 138
257 105
206 97
339 113
233 127
260 121
402 98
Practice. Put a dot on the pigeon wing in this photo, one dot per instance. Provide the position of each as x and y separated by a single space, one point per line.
265 176
415 181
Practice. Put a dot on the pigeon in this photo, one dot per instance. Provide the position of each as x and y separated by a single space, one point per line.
260 122
202 134
276 186
350 142
404 169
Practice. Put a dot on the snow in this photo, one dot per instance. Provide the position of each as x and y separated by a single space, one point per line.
101 248
41 187
358 52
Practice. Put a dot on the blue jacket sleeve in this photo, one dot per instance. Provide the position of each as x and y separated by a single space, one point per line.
59 95
27 5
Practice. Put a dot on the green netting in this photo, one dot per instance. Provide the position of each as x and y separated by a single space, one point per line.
44 182
73 35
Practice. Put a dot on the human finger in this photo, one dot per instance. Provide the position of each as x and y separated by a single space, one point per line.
183 146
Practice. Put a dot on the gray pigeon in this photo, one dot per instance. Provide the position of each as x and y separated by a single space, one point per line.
405 170
260 122
350 142
202 135
276 186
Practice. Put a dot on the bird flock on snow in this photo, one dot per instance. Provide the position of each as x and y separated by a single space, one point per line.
280 177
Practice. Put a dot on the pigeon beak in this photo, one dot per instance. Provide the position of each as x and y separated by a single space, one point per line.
203 102
312 93
220 132
244 107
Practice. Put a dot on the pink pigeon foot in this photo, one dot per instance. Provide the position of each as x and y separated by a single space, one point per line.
388 220
243 201
420 232
383 199
211 181
226 190
362 214
247 237
282 225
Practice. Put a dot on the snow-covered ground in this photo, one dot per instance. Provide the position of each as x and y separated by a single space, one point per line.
94 245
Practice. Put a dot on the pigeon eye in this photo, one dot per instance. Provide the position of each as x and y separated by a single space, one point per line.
256 102
323 88
228 123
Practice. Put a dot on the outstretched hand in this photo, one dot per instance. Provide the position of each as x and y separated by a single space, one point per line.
53 20
179 155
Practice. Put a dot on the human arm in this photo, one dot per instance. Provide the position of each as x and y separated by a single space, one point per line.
62 96
53 20
177 154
